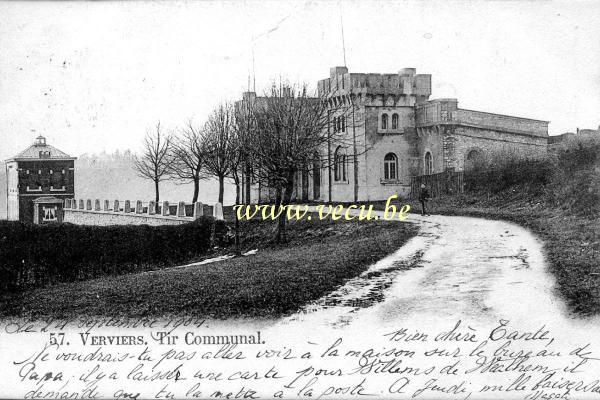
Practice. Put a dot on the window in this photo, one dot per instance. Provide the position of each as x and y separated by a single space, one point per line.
394 121
343 124
474 160
390 167
49 213
384 121
334 123
428 164
339 164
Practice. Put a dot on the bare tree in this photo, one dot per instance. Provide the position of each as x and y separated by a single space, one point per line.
155 162
187 163
240 153
292 127
217 144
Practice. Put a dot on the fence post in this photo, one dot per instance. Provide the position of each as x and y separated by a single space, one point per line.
151 207
181 209
139 209
218 211
116 206
165 208
198 209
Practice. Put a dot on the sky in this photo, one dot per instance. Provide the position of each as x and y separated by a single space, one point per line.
95 76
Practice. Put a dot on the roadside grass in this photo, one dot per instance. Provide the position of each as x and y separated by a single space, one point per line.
278 280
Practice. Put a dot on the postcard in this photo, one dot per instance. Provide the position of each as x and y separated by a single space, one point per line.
300 200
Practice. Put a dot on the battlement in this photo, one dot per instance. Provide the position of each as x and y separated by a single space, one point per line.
446 111
406 82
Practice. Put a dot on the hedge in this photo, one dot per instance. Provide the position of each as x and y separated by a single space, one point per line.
36 255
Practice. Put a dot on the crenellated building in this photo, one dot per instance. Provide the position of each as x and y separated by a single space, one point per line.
394 132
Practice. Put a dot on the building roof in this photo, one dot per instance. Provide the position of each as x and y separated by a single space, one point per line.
41 150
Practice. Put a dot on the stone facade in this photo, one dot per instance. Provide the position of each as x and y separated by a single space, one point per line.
40 171
394 133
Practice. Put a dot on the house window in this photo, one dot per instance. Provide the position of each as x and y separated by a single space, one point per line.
394 121
390 167
335 124
49 214
428 163
384 121
343 124
339 164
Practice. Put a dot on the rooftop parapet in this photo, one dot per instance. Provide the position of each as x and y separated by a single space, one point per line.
446 112
406 82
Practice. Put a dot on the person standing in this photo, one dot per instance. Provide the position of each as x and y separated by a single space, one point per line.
423 198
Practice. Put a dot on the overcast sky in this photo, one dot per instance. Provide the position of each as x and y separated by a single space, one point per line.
93 76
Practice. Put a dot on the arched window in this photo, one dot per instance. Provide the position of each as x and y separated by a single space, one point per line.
384 121
334 124
474 160
343 124
339 164
390 167
394 121
428 163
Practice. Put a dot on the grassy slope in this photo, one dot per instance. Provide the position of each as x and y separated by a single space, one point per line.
278 280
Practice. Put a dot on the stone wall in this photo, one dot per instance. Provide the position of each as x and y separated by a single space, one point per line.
96 212
373 185
460 140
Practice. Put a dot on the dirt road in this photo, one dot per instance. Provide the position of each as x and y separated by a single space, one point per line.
469 268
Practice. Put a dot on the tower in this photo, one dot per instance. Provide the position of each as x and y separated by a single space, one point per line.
39 179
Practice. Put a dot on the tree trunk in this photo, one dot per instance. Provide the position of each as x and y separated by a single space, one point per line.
285 201
221 188
156 194
196 189
248 183
237 221
277 238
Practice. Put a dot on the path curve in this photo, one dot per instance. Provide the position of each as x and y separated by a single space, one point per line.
469 268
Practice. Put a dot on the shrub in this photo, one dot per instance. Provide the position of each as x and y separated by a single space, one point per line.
508 170
35 255
567 177
576 183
